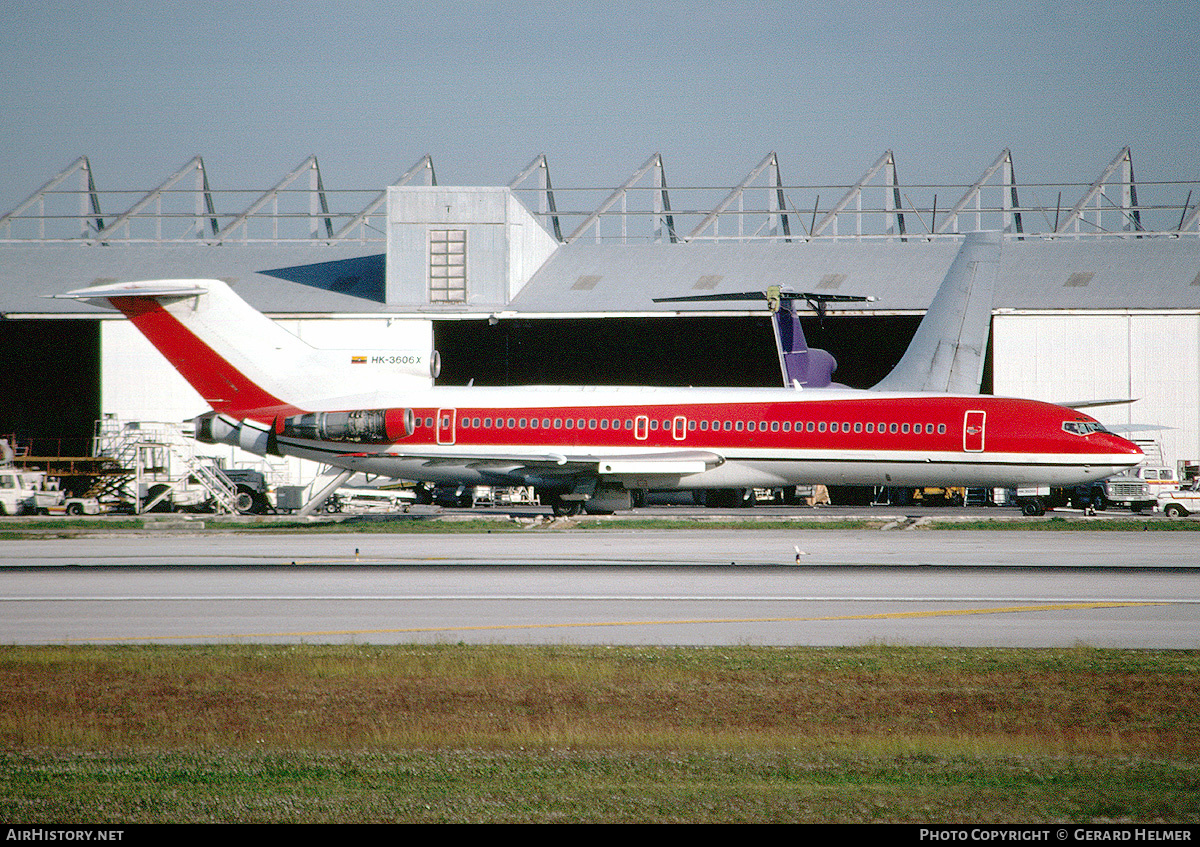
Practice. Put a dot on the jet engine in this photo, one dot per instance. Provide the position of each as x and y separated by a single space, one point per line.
370 426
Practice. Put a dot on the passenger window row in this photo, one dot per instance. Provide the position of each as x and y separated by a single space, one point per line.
882 427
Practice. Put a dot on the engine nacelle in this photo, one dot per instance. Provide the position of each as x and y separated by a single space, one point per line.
252 439
215 428
362 426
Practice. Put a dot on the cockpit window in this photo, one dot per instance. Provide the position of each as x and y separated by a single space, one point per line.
1083 427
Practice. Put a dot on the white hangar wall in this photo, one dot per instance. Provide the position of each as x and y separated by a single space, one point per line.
1152 357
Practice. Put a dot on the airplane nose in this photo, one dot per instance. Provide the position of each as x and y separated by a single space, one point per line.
1125 454
1127 446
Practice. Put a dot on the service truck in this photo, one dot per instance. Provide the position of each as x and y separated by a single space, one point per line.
1180 502
17 497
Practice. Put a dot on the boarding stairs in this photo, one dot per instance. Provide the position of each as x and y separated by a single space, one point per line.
1153 451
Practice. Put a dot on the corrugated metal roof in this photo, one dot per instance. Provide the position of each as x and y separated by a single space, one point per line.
1044 274
600 279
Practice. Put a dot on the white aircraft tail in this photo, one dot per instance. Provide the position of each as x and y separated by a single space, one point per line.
239 359
947 353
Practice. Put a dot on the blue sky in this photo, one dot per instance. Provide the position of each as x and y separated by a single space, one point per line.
369 87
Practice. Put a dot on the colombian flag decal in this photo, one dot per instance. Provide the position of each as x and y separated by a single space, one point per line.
358 360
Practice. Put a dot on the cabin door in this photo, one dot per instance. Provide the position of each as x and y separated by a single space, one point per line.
973 430
445 425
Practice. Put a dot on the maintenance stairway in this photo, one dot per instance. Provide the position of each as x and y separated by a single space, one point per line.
160 456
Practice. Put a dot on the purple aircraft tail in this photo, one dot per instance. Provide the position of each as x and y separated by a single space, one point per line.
801 365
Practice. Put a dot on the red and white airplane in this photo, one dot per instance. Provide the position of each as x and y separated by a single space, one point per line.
378 411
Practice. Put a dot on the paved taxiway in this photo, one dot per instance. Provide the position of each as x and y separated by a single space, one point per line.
680 586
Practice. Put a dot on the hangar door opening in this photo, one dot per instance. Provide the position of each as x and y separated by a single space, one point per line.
669 351
51 396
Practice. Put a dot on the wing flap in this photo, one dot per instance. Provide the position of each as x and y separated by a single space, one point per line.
673 462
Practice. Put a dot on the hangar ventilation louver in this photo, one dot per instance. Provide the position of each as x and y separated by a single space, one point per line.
447 265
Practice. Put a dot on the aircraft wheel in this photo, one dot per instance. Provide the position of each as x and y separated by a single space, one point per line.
566 508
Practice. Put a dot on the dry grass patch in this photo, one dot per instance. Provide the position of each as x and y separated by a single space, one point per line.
515 734
355 697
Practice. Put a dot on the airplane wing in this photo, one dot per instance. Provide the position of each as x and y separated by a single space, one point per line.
672 462
947 353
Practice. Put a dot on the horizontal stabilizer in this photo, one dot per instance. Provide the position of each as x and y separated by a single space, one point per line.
1091 404
157 288
775 296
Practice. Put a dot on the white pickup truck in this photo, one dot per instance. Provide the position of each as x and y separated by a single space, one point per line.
25 493
1179 502
17 494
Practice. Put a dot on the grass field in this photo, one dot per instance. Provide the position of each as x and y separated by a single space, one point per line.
501 733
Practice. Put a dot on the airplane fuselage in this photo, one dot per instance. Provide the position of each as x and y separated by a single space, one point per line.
712 438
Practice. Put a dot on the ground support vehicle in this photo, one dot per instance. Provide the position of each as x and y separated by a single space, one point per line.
1128 490
939 496
1180 502
1189 471
460 496
75 506
1035 500
52 501
251 497
17 496
520 495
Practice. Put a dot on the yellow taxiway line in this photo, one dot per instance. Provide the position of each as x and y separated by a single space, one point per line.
997 610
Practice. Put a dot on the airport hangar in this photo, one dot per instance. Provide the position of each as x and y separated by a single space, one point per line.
1098 295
